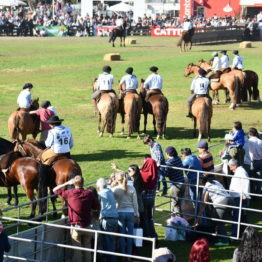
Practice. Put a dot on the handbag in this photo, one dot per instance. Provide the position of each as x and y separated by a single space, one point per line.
138 242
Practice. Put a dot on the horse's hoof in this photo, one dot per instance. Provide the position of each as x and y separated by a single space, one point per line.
98 131
163 137
158 136
122 133
63 216
128 137
100 134
237 105
110 135
138 137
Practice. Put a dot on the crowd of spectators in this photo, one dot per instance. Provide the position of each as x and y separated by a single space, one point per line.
67 15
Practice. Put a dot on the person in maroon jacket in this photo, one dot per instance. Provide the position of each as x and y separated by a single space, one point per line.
80 203
149 176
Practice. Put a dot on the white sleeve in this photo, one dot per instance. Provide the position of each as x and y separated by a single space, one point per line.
147 82
192 88
122 80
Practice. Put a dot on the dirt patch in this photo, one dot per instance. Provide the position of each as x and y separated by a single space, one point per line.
17 70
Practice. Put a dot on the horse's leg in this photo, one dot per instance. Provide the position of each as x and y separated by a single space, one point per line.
16 195
154 124
103 128
9 196
124 39
123 123
249 89
208 131
194 131
30 196
190 45
233 99
145 122
99 123
120 41
53 200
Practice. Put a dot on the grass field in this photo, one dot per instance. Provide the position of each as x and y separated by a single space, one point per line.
62 70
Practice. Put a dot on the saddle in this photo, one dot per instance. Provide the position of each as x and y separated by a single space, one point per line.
104 92
216 77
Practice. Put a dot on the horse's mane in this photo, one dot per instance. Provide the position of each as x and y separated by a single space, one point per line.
192 64
33 143
202 61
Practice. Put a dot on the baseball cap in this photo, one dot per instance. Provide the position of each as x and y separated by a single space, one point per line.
202 144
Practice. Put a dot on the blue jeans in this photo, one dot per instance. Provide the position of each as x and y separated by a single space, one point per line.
126 223
109 225
235 213
162 178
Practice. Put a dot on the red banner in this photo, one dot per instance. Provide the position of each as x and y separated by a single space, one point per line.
104 30
186 9
166 31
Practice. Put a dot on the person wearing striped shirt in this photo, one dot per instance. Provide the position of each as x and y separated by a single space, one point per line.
205 157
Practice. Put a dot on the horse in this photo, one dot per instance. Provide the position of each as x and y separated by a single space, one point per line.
229 82
21 122
186 38
251 82
6 147
202 111
61 170
107 106
131 108
25 171
117 32
157 105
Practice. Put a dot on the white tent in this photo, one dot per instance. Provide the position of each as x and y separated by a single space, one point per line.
121 7
11 3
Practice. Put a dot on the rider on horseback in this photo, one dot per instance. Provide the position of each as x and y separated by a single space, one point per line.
216 65
24 99
199 88
237 61
224 60
120 23
153 83
130 83
105 85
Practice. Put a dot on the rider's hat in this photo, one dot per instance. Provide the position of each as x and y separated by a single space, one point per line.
107 69
129 70
215 54
27 85
235 52
153 69
223 51
201 71
202 144
54 120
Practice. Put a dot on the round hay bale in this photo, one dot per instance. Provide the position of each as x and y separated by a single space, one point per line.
245 44
130 41
112 57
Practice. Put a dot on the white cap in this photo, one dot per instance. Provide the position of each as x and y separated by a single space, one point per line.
214 53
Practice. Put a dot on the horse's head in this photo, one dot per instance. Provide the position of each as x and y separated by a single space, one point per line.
29 147
34 104
19 147
188 70
95 84
204 64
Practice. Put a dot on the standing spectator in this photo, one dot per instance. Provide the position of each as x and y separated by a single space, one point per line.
4 243
127 208
158 156
24 99
80 203
255 153
50 107
149 176
44 115
224 60
237 61
176 178
200 251
205 157
108 217
191 162
250 248
239 190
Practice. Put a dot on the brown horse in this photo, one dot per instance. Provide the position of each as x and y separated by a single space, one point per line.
185 42
21 122
251 85
157 105
202 111
229 82
61 170
25 171
131 110
107 106
118 33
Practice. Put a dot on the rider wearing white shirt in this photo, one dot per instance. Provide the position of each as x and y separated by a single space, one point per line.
237 61
129 82
224 60
199 88
187 25
119 22
153 82
24 98
216 65
105 83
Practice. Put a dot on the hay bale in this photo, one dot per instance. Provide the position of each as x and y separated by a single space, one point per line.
130 41
112 57
245 44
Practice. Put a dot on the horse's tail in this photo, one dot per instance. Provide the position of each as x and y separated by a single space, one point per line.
203 120
237 90
162 116
42 187
179 43
112 34
255 92
15 130
133 115
243 89
111 115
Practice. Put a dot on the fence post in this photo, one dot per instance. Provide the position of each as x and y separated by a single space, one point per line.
239 215
17 228
153 248
95 246
42 244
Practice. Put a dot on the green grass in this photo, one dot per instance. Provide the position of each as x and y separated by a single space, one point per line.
62 70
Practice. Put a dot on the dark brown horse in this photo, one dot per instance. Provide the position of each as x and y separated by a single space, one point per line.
61 170
251 85
118 33
185 42
157 105
21 122
130 110
25 171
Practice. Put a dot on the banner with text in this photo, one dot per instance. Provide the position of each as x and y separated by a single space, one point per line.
166 31
186 9
104 30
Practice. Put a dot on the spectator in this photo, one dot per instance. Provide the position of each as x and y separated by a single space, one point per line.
157 155
205 157
215 192
163 254
80 204
238 135
239 190
24 99
149 176
4 243
255 153
108 217
50 107
191 162
250 248
44 115
176 178
127 208
200 251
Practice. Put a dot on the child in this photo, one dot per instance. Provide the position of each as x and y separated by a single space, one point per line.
205 157
238 135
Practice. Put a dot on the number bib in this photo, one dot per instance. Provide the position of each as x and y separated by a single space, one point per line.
61 140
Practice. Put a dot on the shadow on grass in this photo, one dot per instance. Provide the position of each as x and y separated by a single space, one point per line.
107 155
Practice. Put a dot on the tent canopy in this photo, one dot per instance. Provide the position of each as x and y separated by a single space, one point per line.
11 3
121 7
